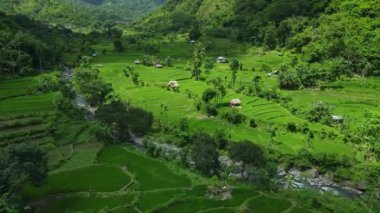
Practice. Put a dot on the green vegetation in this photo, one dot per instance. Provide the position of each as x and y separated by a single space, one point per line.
202 106
81 180
82 13
163 177
267 204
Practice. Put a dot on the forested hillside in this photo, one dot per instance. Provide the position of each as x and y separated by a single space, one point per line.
81 13
337 37
27 45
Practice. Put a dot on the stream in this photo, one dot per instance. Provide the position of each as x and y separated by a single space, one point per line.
318 183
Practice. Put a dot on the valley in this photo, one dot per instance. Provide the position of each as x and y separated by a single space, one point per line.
189 106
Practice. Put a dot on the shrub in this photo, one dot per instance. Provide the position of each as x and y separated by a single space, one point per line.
320 113
289 81
211 110
149 48
208 95
147 60
169 61
252 123
291 127
234 117
209 63
48 83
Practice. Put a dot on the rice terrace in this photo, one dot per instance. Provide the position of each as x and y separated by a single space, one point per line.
268 106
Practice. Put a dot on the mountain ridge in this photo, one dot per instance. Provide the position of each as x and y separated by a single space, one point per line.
82 13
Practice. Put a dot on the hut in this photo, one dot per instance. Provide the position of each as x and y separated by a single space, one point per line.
222 59
274 73
235 102
173 85
337 118
137 62
158 65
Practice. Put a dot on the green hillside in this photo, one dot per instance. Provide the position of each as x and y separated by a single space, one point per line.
324 33
82 13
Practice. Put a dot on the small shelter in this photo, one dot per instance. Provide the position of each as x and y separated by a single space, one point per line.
158 65
137 61
274 73
192 41
174 85
235 102
222 59
337 118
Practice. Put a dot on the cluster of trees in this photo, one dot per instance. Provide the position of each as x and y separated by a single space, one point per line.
27 46
204 152
20 164
117 119
325 32
367 134
94 89
120 120
336 37
82 13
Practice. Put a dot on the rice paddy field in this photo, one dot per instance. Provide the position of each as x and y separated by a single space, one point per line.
121 178
354 97
25 117
88 176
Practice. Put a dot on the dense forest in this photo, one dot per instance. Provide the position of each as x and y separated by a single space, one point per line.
27 45
82 13
336 37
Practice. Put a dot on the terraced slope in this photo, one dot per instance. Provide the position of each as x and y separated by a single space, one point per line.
122 179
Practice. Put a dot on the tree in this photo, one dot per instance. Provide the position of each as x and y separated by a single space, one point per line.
114 115
289 81
195 32
208 95
270 36
234 65
169 61
198 56
234 117
96 92
252 123
118 45
221 138
209 64
204 154
222 92
20 164
135 78
320 112
48 82
140 121
83 76
211 109
248 153
124 119
147 60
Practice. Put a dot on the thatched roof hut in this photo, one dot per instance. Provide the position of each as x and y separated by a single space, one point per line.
158 65
235 102
221 59
337 118
173 84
